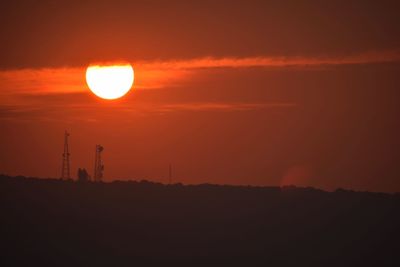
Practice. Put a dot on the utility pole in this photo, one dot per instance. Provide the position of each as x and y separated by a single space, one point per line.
65 174
98 165
170 174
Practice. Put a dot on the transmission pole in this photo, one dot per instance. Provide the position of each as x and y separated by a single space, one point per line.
98 164
170 174
65 174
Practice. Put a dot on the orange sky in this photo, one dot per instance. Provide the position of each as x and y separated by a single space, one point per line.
265 93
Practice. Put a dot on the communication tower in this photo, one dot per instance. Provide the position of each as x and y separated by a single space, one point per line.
98 165
65 161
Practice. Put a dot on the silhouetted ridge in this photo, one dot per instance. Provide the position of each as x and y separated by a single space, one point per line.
49 222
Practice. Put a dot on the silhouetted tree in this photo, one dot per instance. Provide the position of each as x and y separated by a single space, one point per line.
83 175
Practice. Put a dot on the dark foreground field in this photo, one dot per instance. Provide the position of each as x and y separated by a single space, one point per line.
64 223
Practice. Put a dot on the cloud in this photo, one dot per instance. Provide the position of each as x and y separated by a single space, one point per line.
278 62
161 74
212 106
65 80
91 112
30 92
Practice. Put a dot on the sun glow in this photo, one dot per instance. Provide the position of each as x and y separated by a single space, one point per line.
110 81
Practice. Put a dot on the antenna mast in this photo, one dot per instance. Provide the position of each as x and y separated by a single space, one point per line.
170 174
98 165
65 162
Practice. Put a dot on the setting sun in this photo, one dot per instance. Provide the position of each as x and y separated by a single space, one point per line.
110 81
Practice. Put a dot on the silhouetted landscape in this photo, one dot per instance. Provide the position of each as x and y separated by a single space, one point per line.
273 125
50 222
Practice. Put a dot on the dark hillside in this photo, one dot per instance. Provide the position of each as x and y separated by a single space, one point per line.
65 223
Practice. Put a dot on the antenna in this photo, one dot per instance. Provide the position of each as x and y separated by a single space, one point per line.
98 165
65 162
170 174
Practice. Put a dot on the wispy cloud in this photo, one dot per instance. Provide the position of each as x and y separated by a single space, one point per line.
91 113
161 74
46 93
60 80
209 62
215 106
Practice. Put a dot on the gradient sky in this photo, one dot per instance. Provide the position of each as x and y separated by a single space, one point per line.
250 92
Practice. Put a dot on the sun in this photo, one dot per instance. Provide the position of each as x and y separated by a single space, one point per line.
110 81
